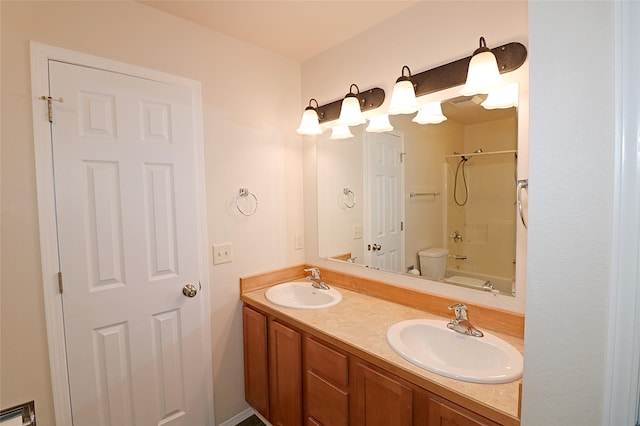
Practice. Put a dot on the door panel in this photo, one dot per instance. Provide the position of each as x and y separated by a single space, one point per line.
124 153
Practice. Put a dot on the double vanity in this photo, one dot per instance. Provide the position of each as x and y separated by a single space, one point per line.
368 353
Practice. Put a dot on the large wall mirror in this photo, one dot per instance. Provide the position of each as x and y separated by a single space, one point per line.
435 201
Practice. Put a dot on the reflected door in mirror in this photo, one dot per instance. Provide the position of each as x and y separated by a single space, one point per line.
384 180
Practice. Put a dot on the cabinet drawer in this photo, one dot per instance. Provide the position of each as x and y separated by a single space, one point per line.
327 404
327 362
434 410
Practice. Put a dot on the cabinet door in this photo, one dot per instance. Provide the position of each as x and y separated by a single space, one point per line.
285 375
380 399
256 367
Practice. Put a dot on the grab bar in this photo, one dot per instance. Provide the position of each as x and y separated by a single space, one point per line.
522 184
423 194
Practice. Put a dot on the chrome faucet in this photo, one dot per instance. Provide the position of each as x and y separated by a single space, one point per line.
315 279
456 236
461 322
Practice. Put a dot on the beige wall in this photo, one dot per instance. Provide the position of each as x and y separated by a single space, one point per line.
425 146
488 221
259 150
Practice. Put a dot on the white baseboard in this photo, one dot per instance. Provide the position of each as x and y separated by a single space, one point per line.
233 421
265 421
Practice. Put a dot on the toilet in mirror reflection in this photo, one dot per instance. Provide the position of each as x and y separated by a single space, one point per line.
433 263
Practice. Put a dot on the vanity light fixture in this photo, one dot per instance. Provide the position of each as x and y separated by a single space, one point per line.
340 131
309 124
351 112
430 113
403 97
367 100
379 123
503 97
483 75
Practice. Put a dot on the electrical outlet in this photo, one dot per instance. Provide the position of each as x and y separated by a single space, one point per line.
357 232
299 244
222 253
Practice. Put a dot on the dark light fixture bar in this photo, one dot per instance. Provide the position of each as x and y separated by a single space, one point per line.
369 99
509 56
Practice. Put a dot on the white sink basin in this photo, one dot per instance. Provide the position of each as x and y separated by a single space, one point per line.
302 295
431 345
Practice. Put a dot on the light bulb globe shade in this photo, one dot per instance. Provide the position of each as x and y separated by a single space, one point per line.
379 123
309 124
341 131
430 113
483 75
503 97
350 112
403 98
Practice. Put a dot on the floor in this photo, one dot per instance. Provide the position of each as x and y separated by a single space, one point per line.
251 421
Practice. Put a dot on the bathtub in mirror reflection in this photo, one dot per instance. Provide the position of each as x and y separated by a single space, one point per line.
436 201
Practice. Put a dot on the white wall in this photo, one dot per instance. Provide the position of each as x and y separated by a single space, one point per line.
427 35
570 211
259 150
341 166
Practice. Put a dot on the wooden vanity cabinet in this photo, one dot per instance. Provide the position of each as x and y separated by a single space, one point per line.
295 378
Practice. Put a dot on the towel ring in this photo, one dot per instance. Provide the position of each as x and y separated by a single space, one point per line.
348 198
244 193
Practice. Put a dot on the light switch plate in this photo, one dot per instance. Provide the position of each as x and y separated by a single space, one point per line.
357 232
222 253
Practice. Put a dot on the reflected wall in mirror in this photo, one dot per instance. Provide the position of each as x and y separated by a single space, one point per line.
436 201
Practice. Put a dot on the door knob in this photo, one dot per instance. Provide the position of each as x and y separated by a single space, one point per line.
189 290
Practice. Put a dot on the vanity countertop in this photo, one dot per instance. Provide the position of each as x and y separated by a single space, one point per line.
362 321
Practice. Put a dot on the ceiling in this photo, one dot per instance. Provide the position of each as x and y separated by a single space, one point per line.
296 29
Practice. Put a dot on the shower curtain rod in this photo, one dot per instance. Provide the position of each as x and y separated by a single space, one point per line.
471 154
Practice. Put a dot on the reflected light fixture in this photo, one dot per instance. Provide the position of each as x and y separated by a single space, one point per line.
502 97
403 97
340 131
350 112
430 113
483 75
310 124
379 123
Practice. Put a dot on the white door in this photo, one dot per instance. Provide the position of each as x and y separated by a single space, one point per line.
385 182
123 150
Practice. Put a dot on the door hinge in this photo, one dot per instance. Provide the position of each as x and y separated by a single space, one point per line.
402 154
60 282
50 100
402 226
